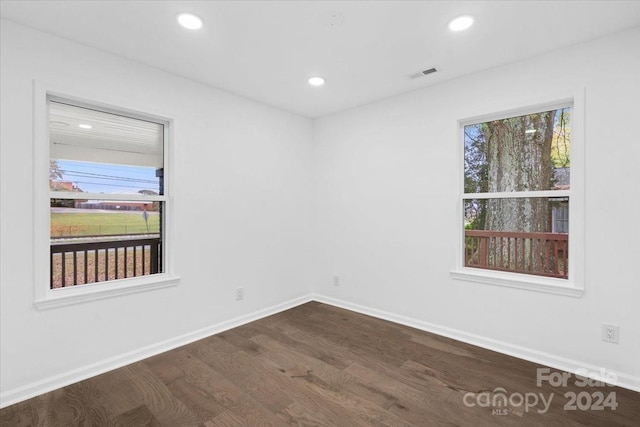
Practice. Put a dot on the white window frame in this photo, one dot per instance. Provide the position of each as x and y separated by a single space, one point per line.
45 297
574 284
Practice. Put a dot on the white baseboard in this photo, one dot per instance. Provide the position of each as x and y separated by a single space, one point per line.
568 365
37 388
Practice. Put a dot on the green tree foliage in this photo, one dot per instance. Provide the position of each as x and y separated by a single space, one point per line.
55 174
561 143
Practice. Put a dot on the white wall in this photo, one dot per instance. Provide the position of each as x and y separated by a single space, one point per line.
241 210
387 194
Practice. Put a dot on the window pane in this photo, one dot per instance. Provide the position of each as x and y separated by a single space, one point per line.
96 152
523 235
78 133
525 153
93 152
112 241
102 178
72 219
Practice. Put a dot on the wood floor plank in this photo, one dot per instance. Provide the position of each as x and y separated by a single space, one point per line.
298 365
245 414
158 398
327 381
119 393
363 339
242 340
167 366
333 351
305 342
140 416
319 365
242 370
204 391
268 385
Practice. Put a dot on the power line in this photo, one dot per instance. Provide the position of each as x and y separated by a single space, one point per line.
105 166
110 185
102 176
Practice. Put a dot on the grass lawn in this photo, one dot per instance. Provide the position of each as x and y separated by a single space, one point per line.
81 222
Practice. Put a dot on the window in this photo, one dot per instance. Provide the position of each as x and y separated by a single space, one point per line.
518 197
106 212
106 182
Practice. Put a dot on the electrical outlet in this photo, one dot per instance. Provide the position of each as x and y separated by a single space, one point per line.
336 280
239 294
610 333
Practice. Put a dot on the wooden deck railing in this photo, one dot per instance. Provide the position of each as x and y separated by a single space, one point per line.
542 254
79 263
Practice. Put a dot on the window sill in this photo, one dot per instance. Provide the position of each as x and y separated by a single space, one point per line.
518 281
90 292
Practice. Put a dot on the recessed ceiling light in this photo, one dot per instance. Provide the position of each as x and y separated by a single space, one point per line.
461 23
84 126
316 81
189 21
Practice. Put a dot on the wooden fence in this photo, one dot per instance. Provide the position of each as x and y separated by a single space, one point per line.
80 263
541 254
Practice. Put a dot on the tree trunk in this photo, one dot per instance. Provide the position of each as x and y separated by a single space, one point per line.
519 161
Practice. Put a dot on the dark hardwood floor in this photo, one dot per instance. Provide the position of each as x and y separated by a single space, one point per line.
318 365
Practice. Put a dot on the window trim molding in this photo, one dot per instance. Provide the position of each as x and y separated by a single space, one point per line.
574 286
44 296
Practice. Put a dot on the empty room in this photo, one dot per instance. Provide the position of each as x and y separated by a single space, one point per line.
319 213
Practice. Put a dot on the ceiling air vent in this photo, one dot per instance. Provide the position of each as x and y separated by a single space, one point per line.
422 73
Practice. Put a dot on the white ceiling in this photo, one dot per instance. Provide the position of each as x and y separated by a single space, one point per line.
266 50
